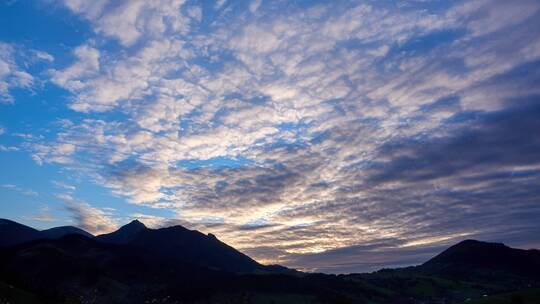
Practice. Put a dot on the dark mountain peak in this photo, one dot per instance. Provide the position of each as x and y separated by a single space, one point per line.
125 234
478 244
195 247
6 221
58 232
470 251
135 224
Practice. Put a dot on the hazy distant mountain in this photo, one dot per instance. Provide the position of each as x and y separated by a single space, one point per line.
12 233
58 232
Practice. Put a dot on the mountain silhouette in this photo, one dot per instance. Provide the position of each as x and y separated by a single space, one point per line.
192 246
58 232
76 262
183 245
12 233
136 264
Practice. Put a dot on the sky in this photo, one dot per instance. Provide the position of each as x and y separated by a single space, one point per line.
334 136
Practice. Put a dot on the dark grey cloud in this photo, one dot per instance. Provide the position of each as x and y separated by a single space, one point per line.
366 258
480 141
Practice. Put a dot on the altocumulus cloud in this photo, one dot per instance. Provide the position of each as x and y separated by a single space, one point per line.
329 133
11 74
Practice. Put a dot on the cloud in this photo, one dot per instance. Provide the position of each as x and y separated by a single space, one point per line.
321 132
27 192
87 65
11 74
8 148
58 153
500 141
42 216
254 5
94 220
41 55
220 3
127 21
63 186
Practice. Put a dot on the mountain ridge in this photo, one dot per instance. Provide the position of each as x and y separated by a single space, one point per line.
178 265
58 232
13 233
124 234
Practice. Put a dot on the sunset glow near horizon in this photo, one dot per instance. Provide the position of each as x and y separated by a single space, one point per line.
338 136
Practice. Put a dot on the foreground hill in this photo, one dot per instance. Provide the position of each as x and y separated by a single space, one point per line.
76 269
136 264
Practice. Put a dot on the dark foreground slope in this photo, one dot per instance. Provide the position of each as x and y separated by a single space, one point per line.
176 265
79 269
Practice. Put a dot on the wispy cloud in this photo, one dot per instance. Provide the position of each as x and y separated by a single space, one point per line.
43 215
21 190
92 219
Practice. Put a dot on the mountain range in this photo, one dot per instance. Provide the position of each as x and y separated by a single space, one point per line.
136 264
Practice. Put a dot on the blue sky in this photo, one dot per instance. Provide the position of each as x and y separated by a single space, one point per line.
334 137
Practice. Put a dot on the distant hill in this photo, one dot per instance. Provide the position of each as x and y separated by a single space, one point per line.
13 233
474 258
58 232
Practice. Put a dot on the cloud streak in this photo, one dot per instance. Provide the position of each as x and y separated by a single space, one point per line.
94 220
